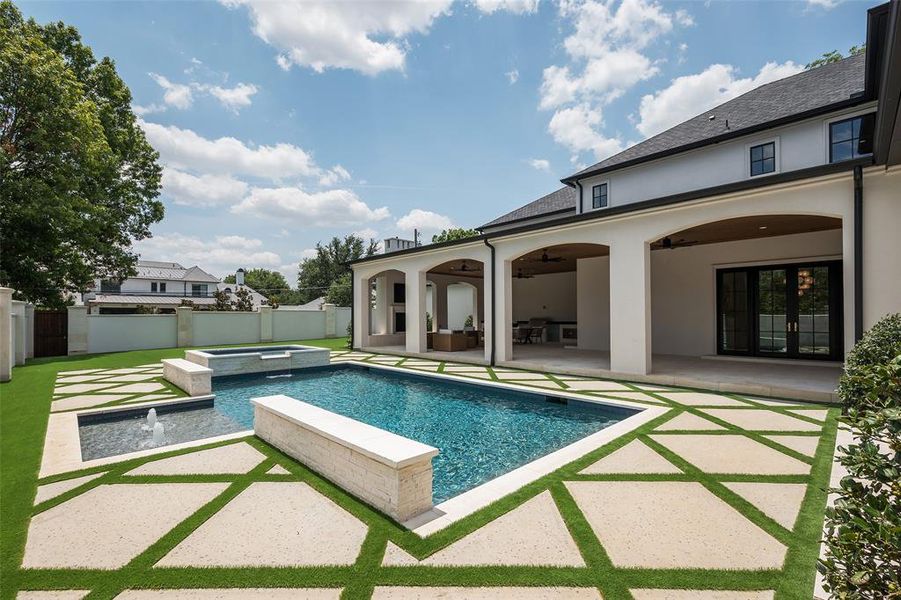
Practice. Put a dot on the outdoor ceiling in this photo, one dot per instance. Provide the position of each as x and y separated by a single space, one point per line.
746 228
560 259
460 268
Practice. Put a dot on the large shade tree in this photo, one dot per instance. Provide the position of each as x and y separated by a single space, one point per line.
78 179
317 275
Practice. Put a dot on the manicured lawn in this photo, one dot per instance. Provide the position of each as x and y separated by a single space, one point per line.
23 417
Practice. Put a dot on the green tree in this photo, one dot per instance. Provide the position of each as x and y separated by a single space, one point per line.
78 180
264 281
243 300
457 233
317 274
340 293
223 301
835 56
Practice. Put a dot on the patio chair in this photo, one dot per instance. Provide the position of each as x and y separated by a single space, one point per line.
521 335
537 326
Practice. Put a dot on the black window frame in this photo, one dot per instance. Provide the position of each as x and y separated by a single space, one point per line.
153 289
762 160
867 121
162 287
597 196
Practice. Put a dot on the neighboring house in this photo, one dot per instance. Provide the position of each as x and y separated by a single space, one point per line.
311 305
764 228
162 285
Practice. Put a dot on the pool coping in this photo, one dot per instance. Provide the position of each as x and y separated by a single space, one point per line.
62 446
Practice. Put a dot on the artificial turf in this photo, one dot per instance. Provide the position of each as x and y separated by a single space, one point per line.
25 405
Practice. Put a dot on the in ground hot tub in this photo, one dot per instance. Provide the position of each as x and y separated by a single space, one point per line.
259 359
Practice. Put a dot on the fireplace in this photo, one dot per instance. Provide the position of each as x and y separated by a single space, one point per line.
400 322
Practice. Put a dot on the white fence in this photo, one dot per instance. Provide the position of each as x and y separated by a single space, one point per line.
89 334
16 333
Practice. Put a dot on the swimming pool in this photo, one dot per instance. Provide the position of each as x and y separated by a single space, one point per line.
481 432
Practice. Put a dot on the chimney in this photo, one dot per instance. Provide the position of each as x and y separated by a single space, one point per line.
239 277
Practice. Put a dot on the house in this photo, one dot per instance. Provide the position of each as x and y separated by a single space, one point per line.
745 249
163 286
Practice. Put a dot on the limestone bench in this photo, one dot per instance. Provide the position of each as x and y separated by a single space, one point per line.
195 379
388 471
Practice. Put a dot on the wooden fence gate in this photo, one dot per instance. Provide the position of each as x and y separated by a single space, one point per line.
51 333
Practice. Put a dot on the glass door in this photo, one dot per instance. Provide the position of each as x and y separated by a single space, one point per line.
787 311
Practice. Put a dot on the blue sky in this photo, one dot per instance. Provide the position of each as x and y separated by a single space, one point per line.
280 125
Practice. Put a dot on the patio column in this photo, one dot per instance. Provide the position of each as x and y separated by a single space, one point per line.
362 303
439 294
630 306
415 311
381 317
504 315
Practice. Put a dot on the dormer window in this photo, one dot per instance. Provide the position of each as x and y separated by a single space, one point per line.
599 196
763 159
851 138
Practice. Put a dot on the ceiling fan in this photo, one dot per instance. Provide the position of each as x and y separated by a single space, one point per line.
521 275
547 259
465 268
669 243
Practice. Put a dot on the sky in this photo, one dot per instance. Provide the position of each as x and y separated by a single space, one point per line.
282 124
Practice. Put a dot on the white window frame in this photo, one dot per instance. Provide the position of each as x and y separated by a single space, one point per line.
591 195
777 155
827 126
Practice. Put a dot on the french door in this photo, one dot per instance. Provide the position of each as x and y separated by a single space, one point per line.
787 311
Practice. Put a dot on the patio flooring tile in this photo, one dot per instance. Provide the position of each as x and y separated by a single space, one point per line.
762 419
79 378
234 594
433 368
106 527
731 454
805 444
703 399
278 470
779 501
702 595
484 375
485 593
597 386
531 534
550 385
150 398
131 377
231 459
520 376
624 395
689 422
52 594
672 525
634 457
52 490
128 370
78 372
81 388
276 525
472 369
84 401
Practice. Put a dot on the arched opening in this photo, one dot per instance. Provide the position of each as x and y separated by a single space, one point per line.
756 286
455 300
387 309
560 308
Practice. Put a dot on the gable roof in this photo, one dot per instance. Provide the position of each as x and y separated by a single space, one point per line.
171 271
562 200
790 99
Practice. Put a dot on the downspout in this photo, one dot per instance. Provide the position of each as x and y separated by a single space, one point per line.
579 201
493 304
858 253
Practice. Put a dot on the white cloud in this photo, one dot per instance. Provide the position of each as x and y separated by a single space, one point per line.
825 4
423 220
512 76
175 94
518 7
367 234
332 208
634 24
691 95
148 109
203 190
334 175
234 98
185 149
320 34
605 78
221 255
577 128
539 164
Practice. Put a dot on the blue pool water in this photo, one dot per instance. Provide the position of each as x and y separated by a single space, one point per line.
481 432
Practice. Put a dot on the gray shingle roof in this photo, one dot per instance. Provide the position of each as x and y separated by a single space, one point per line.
785 98
562 199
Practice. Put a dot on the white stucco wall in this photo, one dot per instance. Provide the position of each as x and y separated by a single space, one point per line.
212 328
117 333
551 296
881 245
593 303
462 301
299 325
798 146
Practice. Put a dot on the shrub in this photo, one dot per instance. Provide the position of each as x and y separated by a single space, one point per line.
863 528
880 345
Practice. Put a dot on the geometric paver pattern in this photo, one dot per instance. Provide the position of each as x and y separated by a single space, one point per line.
672 485
274 525
672 525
